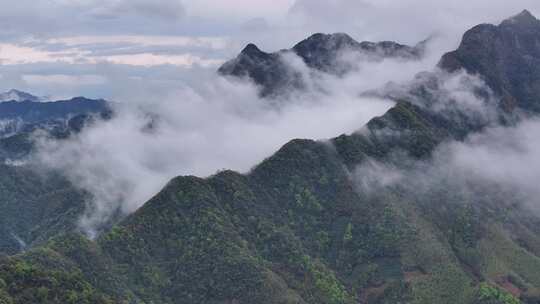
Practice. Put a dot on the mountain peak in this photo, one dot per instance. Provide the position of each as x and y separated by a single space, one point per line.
19 96
523 18
526 15
334 36
506 56
252 49
331 41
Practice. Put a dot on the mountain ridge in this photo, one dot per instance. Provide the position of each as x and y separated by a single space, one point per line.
19 96
320 52
299 229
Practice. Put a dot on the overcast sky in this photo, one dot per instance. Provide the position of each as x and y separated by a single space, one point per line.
101 48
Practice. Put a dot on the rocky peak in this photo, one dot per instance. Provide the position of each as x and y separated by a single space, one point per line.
325 41
506 56
321 52
267 70
525 18
252 50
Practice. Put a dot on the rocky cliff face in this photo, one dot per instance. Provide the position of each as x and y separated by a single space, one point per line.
268 70
507 56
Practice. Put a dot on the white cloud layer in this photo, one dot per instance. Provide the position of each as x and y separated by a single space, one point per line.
501 163
508 156
12 54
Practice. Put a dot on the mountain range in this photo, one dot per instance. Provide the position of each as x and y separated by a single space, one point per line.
22 113
300 227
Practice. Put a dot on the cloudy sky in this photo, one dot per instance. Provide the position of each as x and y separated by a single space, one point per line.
103 48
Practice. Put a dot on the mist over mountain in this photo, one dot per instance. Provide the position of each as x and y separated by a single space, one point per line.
428 196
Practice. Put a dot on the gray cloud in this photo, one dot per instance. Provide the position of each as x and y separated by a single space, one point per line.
42 18
167 9
327 15
403 20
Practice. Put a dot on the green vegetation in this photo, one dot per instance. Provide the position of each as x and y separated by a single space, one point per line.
292 231
489 294
29 283
35 206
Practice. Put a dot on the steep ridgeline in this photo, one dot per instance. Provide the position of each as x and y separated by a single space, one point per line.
299 228
507 56
336 54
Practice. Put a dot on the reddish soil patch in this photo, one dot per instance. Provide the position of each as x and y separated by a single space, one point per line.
504 283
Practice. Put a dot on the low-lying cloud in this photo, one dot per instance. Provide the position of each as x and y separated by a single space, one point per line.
499 163
504 155
207 125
